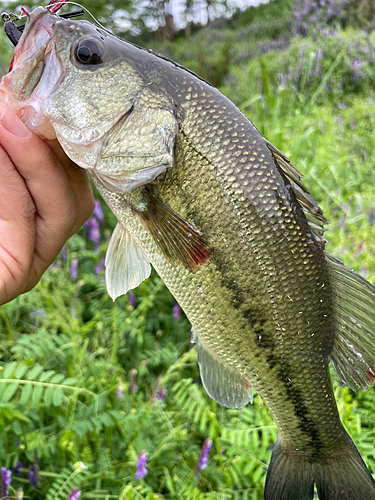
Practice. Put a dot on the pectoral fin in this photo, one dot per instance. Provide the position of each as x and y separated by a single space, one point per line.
222 383
126 264
176 239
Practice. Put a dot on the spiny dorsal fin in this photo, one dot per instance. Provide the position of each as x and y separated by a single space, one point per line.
177 240
313 212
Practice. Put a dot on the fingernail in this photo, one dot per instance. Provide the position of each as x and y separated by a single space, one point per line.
12 123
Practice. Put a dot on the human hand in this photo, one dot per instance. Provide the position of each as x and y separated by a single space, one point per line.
44 199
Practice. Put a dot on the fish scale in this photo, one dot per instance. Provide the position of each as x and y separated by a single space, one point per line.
226 221
230 267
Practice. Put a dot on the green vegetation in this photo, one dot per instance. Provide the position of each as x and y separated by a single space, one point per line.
86 380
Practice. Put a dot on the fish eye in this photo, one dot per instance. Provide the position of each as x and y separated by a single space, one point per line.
88 51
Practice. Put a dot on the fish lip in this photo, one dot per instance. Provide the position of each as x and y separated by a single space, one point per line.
35 75
35 44
40 21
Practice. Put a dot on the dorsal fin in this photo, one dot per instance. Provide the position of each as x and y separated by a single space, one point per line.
313 212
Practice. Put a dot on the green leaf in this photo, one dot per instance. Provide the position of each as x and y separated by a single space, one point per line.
17 428
9 392
26 394
48 395
106 419
58 396
9 370
20 371
37 395
70 381
17 415
34 372
58 378
259 471
45 376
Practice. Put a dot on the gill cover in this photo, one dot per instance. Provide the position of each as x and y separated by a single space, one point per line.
107 113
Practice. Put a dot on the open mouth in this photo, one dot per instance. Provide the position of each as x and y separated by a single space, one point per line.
36 72
30 55
38 30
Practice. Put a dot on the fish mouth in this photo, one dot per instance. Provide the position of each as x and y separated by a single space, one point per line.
37 70
39 29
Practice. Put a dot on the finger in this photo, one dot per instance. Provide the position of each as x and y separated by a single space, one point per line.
17 230
44 175
79 182
49 187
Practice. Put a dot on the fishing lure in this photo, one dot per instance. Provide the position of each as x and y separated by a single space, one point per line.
14 31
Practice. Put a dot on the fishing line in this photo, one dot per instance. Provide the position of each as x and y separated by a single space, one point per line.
51 7
88 12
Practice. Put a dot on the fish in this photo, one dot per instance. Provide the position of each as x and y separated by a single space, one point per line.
226 221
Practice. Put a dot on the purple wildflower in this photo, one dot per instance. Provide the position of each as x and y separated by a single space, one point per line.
133 376
345 207
338 119
359 251
176 311
364 271
80 466
5 481
160 395
132 299
74 268
94 232
119 393
371 214
98 212
64 253
6 476
141 471
74 494
364 153
283 77
203 459
38 312
17 468
33 474
100 267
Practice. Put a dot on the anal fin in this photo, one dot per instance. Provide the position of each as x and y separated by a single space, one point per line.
126 264
222 383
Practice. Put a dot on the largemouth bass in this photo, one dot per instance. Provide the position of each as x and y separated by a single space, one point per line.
224 218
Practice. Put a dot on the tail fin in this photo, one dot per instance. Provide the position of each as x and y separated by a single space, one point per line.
291 476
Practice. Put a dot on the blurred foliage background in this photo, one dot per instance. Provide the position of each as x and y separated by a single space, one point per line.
94 394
